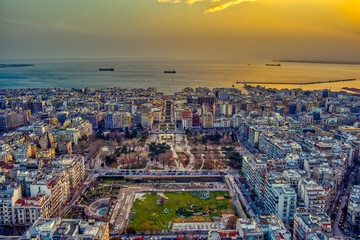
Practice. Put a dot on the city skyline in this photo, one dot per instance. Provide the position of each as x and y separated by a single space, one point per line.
180 119
200 29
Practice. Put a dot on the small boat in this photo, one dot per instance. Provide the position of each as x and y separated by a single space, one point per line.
273 65
106 69
173 71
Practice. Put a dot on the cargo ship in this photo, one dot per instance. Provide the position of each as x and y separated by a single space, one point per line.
106 69
173 71
273 65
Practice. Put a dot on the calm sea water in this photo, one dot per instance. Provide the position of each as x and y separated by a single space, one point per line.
143 73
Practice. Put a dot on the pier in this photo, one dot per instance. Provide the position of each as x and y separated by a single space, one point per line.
299 83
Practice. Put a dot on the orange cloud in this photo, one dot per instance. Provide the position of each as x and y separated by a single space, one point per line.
226 5
212 9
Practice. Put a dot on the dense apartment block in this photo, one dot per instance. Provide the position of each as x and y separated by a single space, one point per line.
9 194
353 211
313 195
75 168
56 186
307 224
28 209
280 200
12 119
57 228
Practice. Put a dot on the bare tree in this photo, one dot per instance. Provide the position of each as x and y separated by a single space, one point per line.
144 156
164 158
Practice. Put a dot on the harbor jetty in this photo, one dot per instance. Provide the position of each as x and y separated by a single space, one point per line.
299 83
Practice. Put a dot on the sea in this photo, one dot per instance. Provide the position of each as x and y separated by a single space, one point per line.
144 73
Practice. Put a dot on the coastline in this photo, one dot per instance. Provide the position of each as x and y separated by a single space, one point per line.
318 62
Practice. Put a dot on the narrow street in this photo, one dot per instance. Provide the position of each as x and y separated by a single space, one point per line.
343 202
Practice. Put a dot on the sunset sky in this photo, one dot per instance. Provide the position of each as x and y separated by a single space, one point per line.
189 29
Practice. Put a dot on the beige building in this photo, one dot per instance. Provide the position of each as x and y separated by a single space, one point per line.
76 130
9 194
157 115
75 167
249 229
45 153
125 119
147 120
313 195
208 121
5 157
28 209
56 186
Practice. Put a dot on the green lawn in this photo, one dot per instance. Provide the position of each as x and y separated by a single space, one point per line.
101 190
149 215
115 191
